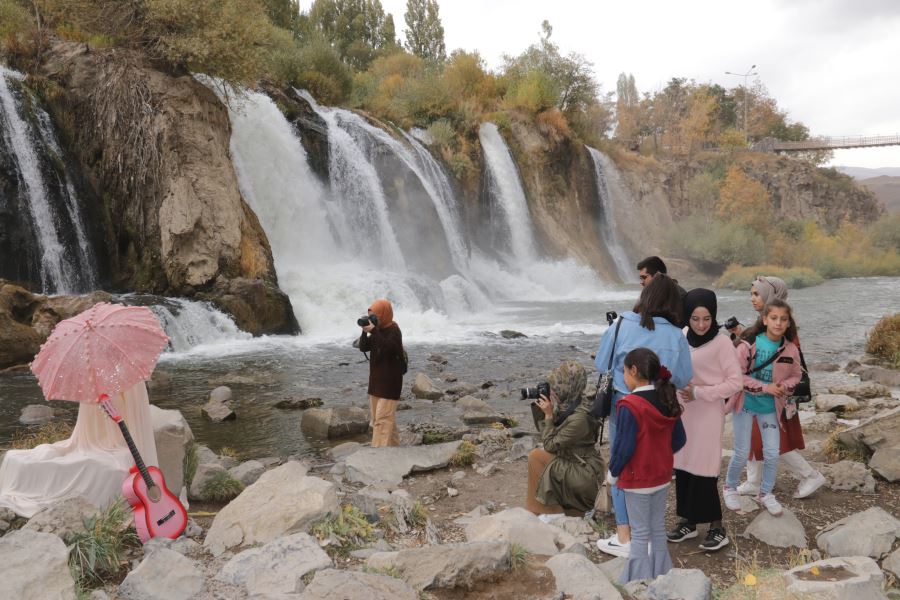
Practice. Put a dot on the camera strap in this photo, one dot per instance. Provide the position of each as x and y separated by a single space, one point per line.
768 362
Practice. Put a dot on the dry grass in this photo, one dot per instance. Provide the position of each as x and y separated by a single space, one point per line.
836 450
48 433
222 488
465 455
349 527
884 339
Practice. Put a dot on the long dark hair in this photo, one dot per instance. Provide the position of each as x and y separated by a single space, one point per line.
660 298
757 328
649 367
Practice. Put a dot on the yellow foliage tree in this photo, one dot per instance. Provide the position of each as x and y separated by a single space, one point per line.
743 198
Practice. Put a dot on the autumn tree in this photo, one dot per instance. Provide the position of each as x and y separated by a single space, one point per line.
358 29
744 199
424 32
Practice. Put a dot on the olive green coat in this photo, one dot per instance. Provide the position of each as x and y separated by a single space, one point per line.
573 478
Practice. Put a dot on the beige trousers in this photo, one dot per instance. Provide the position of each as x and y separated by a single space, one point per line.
384 422
538 459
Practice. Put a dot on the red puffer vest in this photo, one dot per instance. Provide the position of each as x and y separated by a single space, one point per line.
652 461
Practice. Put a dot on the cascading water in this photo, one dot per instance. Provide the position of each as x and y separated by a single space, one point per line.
189 324
44 216
604 171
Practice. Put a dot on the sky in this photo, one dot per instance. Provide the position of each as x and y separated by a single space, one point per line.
832 64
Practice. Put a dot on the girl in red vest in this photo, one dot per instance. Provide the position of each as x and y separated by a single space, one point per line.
648 433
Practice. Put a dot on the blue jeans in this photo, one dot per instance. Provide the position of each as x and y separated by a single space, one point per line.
771 440
648 530
618 496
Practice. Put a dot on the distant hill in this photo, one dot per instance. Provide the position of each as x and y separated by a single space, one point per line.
860 173
886 189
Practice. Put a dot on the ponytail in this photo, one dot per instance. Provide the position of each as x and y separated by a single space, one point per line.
650 369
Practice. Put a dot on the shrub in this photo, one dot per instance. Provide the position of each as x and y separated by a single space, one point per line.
884 339
518 556
442 132
15 20
465 455
885 232
48 433
222 487
739 278
191 461
418 514
349 527
533 93
718 242
98 553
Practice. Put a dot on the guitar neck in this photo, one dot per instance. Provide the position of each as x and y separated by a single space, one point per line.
138 461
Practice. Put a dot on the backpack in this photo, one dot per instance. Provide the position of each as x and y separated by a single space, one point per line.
404 361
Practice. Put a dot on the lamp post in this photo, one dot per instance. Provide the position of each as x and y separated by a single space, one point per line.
749 72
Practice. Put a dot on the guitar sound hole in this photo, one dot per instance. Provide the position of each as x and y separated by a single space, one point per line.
154 493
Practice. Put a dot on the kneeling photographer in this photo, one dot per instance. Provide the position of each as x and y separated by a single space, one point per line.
565 474
382 338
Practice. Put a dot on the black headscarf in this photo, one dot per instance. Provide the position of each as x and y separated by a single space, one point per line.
706 299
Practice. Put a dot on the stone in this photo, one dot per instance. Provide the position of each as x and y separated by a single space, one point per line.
331 584
580 579
438 358
879 431
519 526
472 403
886 462
481 417
205 456
683 584
868 533
98 595
163 575
342 451
369 500
840 578
411 438
452 492
424 388
575 526
836 403
486 469
283 500
205 473
277 566
813 421
472 516
173 438
891 564
220 395
520 448
509 334
183 545
337 422
247 472
193 530
299 403
849 475
445 565
64 518
36 414
783 532
217 412
861 391
824 367
613 568
882 376
462 389
577 548
35 567
388 466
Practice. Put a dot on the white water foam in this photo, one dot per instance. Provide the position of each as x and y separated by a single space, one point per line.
608 186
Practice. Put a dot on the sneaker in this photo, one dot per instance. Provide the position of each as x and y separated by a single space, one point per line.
683 531
715 539
809 485
771 504
614 546
732 498
748 489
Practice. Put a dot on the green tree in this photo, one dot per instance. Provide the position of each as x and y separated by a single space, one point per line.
358 29
283 13
424 32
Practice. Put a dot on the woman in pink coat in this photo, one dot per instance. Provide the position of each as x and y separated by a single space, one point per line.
717 376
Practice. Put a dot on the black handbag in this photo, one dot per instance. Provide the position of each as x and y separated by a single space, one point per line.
602 405
802 391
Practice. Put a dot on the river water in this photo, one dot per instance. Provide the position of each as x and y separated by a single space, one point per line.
833 318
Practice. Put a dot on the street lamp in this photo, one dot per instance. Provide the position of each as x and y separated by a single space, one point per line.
749 72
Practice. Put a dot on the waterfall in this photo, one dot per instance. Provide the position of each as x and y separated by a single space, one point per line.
189 323
604 171
505 187
46 203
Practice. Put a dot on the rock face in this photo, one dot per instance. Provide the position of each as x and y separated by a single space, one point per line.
330 423
519 526
35 567
387 466
784 531
276 567
64 518
842 578
689 584
868 533
284 500
445 565
173 440
163 575
580 579
171 196
332 584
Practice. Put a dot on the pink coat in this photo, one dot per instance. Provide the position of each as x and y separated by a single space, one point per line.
717 377
786 370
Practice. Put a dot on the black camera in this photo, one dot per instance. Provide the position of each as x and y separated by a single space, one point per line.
731 323
611 316
364 321
533 393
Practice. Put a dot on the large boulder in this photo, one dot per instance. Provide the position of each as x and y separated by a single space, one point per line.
35 567
424 388
882 376
163 575
248 472
277 566
836 403
284 500
330 423
861 391
886 462
879 431
784 531
332 584
868 533
173 438
36 414
683 584
445 565
522 527
840 578
64 518
388 466
205 473
849 475
579 578
891 564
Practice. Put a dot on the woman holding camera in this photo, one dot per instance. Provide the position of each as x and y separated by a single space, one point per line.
565 474
382 338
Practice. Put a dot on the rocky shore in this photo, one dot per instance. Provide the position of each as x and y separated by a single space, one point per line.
444 520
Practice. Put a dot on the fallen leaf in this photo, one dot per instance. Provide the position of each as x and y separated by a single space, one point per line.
750 579
814 571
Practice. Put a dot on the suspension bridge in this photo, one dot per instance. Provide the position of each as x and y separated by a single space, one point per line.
827 143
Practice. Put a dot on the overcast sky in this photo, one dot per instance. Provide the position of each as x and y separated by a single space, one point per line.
832 64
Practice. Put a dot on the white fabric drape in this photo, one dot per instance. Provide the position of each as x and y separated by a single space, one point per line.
92 463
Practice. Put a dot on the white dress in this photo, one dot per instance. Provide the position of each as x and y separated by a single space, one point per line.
92 463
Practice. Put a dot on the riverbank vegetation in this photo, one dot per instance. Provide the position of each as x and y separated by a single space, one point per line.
884 340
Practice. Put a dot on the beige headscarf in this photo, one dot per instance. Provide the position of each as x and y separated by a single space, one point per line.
771 288
568 381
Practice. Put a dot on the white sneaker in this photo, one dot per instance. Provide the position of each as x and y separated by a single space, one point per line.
771 504
732 498
748 489
809 485
614 546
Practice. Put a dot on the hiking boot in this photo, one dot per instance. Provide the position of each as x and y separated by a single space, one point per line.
771 504
683 531
748 489
613 546
715 539
732 498
809 485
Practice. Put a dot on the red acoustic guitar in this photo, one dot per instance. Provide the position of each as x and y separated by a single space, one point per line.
157 512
